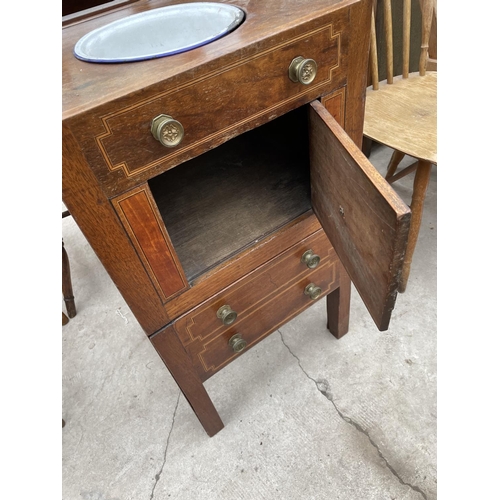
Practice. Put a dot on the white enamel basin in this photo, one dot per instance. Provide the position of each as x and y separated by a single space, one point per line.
159 32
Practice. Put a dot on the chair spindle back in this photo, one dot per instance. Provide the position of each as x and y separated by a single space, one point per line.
426 7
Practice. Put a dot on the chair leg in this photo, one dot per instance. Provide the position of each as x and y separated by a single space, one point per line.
67 288
366 147
420 184
396 158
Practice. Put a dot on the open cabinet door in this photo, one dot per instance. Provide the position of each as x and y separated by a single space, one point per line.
365 220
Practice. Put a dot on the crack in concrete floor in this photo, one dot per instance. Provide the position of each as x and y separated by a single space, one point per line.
323 386
157 476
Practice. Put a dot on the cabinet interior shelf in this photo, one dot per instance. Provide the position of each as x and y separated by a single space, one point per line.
227 199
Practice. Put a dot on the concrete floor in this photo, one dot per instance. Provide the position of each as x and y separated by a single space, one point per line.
306 416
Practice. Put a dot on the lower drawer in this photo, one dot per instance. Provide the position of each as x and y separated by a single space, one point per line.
263 300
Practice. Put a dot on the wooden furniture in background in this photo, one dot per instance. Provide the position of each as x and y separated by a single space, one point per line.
432 59
265 206
401 114
67 287
74 11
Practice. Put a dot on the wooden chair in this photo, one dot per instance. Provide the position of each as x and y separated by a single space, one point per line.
401 113
67 288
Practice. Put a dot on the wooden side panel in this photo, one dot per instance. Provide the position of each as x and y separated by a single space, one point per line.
99 223
365 220
140 218
335 105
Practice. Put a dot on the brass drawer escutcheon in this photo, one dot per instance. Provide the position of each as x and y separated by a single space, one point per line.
310 259
312 291
237 343
227 315
168 131
302 70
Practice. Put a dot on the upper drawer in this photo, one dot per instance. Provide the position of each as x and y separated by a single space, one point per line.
213 107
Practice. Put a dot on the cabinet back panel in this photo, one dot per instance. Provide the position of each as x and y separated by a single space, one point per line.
227 199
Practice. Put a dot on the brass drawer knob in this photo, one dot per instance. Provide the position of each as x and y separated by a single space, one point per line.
302 70
226 315
310 259
168 131
312 291
236 343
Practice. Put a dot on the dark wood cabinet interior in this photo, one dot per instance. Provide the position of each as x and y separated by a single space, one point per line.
216 205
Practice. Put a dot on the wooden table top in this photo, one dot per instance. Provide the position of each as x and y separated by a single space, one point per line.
87 85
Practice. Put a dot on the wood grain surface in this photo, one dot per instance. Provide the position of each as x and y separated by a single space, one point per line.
404 115
88 85
98 221
364 218
234 92
221 91
143 224
264 300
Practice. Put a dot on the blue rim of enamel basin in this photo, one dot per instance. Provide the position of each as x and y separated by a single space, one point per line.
92 46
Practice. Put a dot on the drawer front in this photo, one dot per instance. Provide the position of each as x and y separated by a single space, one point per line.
240 265
216 106
263 300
